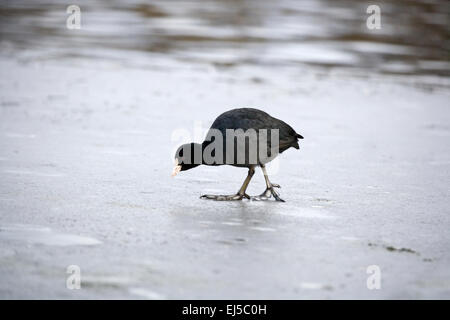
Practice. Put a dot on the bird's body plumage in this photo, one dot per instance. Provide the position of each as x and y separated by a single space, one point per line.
252 130
254 119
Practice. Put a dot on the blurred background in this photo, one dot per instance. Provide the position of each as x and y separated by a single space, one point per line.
325 35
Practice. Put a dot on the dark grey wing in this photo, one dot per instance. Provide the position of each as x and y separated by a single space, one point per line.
243 118
249 118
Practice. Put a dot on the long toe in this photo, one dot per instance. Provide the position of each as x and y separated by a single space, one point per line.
246 196
277 198
208 197
276 195
223 197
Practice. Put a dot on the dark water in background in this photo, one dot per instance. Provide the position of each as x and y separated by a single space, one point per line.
326 35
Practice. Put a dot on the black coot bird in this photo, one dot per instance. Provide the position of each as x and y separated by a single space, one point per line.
270 137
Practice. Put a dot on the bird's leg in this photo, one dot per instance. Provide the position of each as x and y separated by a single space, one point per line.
270 191
238 196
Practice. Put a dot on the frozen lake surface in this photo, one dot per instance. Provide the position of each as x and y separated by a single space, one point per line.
87 144
86 156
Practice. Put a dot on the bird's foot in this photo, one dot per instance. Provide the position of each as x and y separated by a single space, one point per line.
268 193
217 197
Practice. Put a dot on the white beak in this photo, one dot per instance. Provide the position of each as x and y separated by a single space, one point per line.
176 169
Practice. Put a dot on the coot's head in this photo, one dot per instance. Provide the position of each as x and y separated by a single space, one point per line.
188 156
